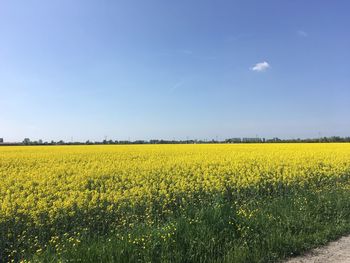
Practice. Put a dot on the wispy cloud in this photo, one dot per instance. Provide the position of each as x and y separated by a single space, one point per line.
177 86
302 33
261 66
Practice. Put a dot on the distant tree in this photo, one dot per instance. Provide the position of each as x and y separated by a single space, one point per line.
26 141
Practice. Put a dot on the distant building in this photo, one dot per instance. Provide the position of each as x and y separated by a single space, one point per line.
233 140
1 140
251 140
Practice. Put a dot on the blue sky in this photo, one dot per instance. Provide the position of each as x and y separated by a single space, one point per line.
174 69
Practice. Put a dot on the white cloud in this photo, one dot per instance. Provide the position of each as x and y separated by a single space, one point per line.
259 67
302 33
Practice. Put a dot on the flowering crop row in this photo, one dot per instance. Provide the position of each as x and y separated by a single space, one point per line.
47 192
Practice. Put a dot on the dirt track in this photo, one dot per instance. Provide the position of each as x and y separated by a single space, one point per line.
335 252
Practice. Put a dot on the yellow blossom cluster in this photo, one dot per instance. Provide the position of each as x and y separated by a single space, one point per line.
48 184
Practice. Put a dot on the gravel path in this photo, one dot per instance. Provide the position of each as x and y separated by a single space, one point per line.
335 252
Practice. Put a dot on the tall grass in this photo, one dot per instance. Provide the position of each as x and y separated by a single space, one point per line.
173 203
268 228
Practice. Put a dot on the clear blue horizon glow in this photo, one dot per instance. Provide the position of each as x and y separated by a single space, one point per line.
174 69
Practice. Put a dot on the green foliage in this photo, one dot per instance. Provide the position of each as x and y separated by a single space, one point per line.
259 229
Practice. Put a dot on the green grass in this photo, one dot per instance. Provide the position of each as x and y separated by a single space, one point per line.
280 225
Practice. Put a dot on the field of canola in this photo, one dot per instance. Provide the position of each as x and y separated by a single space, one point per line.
171 203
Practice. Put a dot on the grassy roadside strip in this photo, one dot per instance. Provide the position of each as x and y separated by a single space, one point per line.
261 228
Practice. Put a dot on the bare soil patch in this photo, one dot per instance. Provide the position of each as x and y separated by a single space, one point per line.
335 252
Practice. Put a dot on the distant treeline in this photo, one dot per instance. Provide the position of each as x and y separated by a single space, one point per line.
331 139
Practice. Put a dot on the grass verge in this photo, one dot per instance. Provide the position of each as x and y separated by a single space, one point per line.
258 228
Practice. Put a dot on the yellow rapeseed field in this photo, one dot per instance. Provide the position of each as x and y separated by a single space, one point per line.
50 187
